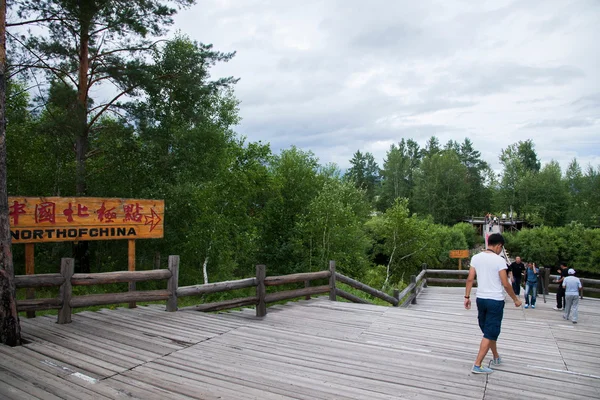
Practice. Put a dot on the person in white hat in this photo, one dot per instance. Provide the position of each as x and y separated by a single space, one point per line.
573 289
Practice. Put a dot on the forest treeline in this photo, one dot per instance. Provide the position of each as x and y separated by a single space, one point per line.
167 131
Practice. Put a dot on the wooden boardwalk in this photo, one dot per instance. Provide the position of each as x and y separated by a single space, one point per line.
313 349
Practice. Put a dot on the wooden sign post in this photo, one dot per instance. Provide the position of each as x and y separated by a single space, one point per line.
71 219
460 254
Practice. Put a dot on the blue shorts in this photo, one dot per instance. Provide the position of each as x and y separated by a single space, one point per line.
489 313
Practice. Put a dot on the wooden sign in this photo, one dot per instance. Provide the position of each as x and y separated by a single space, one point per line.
60 219
459 253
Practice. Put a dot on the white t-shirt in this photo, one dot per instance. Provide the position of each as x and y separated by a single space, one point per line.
488 265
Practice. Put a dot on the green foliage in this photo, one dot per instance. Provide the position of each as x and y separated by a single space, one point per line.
231 204
574 244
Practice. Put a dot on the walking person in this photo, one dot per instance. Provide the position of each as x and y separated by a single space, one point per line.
573 289
531 284
492 277
515 273
560 292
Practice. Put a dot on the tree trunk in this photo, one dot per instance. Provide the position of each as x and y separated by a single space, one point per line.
205 271
81 250
10 328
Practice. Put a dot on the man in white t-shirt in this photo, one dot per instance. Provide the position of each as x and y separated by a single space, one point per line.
492 277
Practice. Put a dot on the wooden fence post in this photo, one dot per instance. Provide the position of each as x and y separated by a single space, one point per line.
173 283
332 295
307 285
397 296
261 291
67 267
30 270
413 292
424 268
546 278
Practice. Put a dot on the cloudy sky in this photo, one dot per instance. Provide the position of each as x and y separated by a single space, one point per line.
339 76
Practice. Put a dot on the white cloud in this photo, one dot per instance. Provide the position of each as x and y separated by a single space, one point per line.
337 76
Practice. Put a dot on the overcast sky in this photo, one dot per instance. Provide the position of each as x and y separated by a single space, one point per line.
339 76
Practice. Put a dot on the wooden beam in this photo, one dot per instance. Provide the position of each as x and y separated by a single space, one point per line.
173 283
67 266
293 278
292 294
404 292
120 276
446 281
332 276
38 304
261 292
413 295
118 298
365 288
224 305
197 290
447 272
350 297
39 280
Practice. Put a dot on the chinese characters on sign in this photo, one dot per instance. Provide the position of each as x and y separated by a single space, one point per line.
54 219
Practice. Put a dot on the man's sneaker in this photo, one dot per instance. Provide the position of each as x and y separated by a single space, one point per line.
574 322
497 361
557 309
533 306
481 370
526 305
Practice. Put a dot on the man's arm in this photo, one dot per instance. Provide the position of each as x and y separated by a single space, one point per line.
508 288
580 290
470 280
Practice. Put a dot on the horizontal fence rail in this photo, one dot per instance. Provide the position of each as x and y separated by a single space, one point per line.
458 277
65 302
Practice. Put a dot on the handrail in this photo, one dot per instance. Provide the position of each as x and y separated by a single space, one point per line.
65 302
545 276
366 288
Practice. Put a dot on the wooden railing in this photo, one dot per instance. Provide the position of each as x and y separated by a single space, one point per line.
459 278
65 301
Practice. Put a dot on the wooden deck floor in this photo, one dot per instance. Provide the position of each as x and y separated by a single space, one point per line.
313 349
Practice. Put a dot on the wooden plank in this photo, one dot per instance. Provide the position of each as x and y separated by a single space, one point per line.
447 272
294 278
173 283
332 279
39 304
39 280
292 294
103 278
197 290
261 305
367 289
119 298
47 382
92 336
67 267
349 296
224 305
